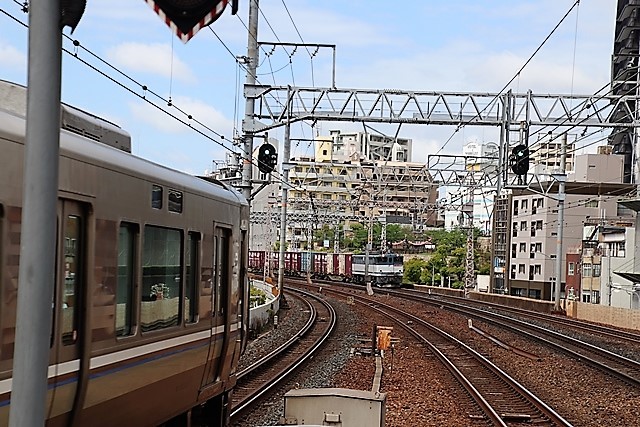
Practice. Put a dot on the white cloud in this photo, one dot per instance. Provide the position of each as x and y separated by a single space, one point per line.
153 58
201 112
11 57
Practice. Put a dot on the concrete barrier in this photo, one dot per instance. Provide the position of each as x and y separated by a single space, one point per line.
614 316
263 314
508 300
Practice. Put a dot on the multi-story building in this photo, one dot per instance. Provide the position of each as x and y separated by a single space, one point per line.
362 147
345 192
479 159
606 249
532 239
545 153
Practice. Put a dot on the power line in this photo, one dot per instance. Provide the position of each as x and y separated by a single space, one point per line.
513 78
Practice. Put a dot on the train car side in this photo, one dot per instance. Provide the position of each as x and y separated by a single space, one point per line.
148 311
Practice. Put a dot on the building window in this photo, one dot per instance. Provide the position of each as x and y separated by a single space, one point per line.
616 249
572 269
537 269
596 270
525 205
586 270
513 250
515 207
593 203
523 225
513 271
523 247
521 268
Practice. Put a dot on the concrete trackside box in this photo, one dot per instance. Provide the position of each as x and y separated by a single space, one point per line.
334 407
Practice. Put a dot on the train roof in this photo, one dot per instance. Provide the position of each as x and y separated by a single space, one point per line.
79 145
13 98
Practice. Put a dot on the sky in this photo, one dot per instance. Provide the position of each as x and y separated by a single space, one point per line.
421 45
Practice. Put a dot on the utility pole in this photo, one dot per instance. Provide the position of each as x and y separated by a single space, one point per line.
40 198
501 178
367 250
310 238
286 167
251 64
561 177
383 233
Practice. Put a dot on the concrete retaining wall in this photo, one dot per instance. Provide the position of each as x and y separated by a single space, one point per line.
261 315
519 302
615 316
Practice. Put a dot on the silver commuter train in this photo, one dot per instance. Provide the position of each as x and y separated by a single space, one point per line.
149 312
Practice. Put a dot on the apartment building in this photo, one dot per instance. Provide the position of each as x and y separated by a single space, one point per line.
480 158
533 226
345 192
545 153
362 147
607 249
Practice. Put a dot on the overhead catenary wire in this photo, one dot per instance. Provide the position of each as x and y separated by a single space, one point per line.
188 118
577 2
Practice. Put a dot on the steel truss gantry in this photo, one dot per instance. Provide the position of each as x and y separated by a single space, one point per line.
279 105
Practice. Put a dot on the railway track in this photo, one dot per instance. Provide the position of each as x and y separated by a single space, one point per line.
496 399
260 378
601 331
614 364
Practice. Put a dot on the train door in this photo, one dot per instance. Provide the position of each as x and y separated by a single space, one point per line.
68 309
219 300
238 289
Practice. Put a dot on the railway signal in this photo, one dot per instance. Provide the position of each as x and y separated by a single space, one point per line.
267 158
519 159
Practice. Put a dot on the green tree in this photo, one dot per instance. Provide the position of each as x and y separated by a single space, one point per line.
413 270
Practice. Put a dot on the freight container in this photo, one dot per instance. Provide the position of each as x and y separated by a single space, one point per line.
319 263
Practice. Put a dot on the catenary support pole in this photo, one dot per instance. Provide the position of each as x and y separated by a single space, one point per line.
561 178
248 130
286 166
38 231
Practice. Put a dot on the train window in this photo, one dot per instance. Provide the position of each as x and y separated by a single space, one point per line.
72 272
126 276
161 278
156 197
175 201
192 278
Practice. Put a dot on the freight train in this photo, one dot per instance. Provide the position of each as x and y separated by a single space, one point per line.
384 270
150 296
